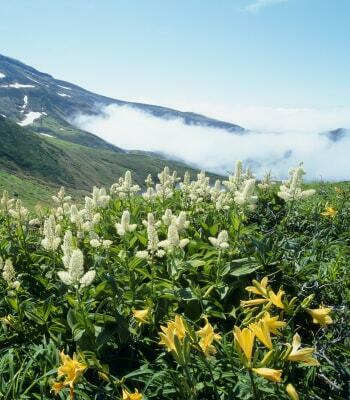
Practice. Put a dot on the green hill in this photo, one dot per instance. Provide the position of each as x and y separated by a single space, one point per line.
47 163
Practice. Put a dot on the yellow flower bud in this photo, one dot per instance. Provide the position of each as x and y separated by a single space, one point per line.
292 393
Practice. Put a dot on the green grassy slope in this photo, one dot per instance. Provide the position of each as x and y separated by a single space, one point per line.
50 162
30 191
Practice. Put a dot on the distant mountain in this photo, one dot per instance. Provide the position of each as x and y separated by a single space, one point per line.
47 104
337 135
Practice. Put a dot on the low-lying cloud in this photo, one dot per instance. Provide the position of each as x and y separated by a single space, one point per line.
217 150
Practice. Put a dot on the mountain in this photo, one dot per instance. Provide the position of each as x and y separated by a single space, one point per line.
48 105
35 166
337 135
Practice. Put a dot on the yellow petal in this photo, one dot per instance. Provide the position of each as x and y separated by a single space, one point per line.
245 339
132 396
273 375
262 332
321 316
276 299
252 303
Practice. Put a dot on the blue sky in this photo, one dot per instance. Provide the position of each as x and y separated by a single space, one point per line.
192 54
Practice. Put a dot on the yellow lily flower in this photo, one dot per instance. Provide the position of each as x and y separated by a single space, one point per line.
261 331
132 396
292 393
71 368
245 339
273 375
208 336
302 355
167 338
276 299
173 328
330 212
142 316
253 302
273 323
258 287
178 326
320 316
57 387
266 293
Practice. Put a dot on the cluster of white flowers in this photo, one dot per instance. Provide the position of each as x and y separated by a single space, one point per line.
153 239
52 232
185 185
18 212
216 191
6 203
221 242
86 218
173 240
100 198
180 221
9 274
61 197
73 261
199 190
239 189
245 196
96 241
150 193
62 203
224 202
166 185
125 187
235 181
291 189
124 226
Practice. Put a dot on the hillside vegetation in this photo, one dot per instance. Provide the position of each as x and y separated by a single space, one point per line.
190 290
52 162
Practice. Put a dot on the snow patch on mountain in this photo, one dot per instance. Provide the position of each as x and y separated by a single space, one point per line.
64 87
33 80
30 118
63 94
25 103
17 85
46 134
2 76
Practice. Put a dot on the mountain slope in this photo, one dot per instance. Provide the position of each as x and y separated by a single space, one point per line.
49 162
25 91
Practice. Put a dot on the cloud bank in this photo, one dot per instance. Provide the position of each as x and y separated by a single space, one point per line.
217 150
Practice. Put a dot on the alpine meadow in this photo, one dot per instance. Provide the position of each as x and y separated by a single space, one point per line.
186 291
174 200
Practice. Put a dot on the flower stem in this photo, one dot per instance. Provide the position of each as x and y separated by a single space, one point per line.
253 385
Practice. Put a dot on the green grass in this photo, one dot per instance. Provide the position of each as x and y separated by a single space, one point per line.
31 192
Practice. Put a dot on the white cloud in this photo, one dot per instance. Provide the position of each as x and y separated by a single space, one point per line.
280 119
217 150
257 5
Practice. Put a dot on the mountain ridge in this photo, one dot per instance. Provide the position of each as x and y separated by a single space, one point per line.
61 100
